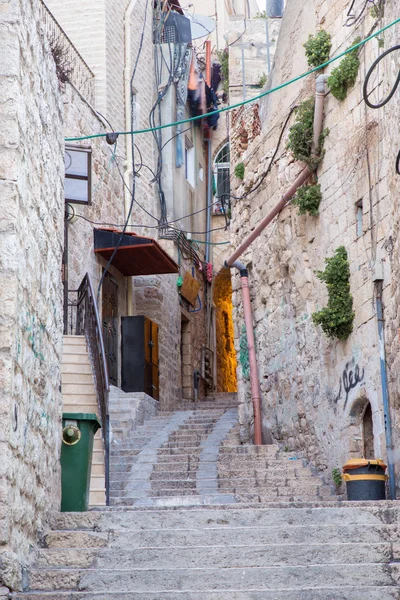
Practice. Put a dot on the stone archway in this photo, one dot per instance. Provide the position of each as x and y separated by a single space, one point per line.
362 429
225 348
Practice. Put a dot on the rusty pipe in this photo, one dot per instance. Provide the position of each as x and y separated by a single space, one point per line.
233 261
251 344
298 182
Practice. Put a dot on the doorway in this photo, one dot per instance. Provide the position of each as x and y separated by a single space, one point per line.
368 433
110 325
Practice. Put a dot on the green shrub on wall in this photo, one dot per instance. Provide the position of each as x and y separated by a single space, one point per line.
301 135
317 48
239 170
336 319
344 76
308 199
223 57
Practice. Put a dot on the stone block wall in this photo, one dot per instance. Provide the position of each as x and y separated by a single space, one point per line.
314 387
31 236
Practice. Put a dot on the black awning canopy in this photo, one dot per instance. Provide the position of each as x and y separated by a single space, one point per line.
136 255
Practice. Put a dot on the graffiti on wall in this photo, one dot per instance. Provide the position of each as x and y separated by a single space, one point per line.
351 376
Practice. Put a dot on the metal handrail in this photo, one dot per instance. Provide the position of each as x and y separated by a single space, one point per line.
85 320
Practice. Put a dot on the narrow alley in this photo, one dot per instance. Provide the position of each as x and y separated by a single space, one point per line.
199 300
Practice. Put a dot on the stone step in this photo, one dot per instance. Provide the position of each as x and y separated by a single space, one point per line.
125 498
72 368
224 536
203 579
342 592
85 378
78 388
234 555
303 514
75 358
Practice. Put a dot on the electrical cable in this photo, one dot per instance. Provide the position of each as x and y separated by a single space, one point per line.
244 102
352 19
132 192
367 78
118 225
380 104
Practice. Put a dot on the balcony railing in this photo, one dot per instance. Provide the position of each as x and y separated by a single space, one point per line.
70 65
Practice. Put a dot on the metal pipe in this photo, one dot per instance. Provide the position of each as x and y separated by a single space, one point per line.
267 44
385 393
209 201
128 116
251 345
232 261
298 182
208 63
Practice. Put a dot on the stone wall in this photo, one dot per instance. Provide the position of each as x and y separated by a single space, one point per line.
31 236
314 387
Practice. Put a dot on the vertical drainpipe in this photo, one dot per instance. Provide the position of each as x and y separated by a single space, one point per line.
128 122
209 165
209 200
385 392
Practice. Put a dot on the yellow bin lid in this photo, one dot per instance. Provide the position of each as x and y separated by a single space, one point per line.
356 463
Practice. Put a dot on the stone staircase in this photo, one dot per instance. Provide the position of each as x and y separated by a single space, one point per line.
323 552
197 516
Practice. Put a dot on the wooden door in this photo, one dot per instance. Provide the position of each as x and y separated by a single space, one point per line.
110 326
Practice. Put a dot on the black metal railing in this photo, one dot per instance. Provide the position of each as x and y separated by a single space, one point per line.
84 319
70 65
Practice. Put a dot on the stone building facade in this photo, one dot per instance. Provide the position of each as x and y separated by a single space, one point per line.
318 393
118 28
31 240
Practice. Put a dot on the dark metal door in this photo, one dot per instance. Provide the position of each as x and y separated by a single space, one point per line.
110 325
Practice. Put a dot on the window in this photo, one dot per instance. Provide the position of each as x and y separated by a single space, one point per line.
78 174
189 163
222 180
359 218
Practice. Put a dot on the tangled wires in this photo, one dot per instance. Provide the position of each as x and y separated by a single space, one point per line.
369 87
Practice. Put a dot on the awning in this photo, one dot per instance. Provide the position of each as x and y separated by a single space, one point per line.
136 255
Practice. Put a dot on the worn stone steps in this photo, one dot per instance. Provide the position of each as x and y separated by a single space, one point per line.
365 514
223 556
226 536
203 579
342 592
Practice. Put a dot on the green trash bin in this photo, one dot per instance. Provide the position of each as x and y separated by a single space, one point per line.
76 460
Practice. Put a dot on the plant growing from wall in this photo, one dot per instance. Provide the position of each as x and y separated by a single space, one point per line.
239 170
223 57
262 81
337 477
244 354
308 199
344 76
261 15
317 48
301 135
336 319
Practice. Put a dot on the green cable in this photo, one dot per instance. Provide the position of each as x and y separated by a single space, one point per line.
210 243
233 106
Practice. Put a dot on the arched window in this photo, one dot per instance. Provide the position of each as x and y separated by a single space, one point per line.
222 187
